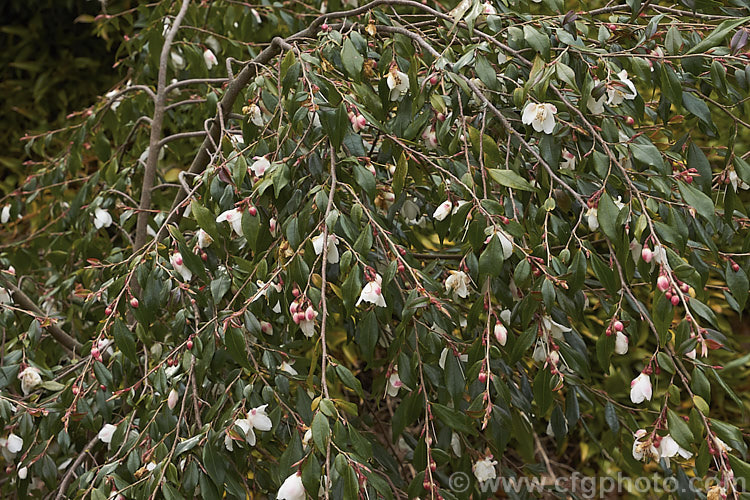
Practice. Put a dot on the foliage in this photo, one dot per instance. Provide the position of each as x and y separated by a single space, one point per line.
397 244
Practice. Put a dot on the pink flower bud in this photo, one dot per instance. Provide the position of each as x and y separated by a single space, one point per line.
618 326
675 300
482 377
310 313
293 308
501 333
647 254
134 303
663 283
178 259
266 327
95 352
252 211
172 399
361 121
297 317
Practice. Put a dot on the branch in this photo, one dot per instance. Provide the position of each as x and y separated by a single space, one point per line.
157 123
68 475
69 343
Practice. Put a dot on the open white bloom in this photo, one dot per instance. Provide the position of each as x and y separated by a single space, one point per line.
307 324
394 384
102 218
592 217
398 82
5 213
640 389
30 378
234 217
179 265
660 255
256 419
260 165
489 9
4 296
372 293
484 470
540 116
13 444
333 249
721 445
292 488
458 283
620 90
621 343
443 210
551 327
204 240
172 399
306 438
286 367
569 160
643 449
210 59
444 356
506 242
668 448
177 60
255 114
106 433
733 179
596 106
23 472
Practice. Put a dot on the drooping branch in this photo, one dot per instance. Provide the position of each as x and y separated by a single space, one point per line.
157 123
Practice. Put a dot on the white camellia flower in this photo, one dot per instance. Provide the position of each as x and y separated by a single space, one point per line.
308 325
596 106
333 249
102 218
398 82
540 116
395 384
255 114
621 343
620 90
733 179
552 328
286 367
30 379
234 217
260 165
5 296
14 443
540 351
204 240
172 399
177 60
5 213
488 9
458 283
210 59
668 448
484 470
306 438
179 265
256 419
643 449
506 242
660 255
444 356
592 217
443 210
640 389
569 160
23 472
292 488
372 293
106 433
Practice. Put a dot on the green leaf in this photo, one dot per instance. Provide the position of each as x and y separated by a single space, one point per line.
697 107
670 84
738 284
214 464
697 200
607 213
352 59
509 178
124 340
537 40
543 391
717 35
365 179
349 380
648 154
454 419
235 344
399 176
491 259
679 430
321 431
219 287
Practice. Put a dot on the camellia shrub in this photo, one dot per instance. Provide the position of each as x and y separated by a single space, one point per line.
393 250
